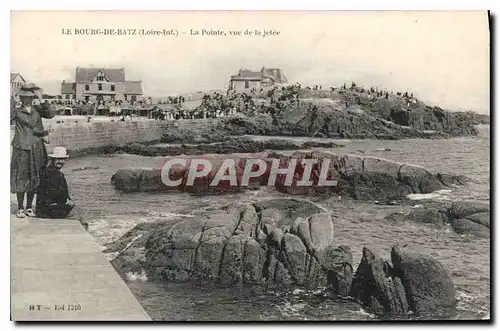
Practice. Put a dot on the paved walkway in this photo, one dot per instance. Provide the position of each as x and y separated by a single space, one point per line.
58 273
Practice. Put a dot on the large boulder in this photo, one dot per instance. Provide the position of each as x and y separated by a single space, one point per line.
127 180
428 285
471 218
338 264
410 282
463 209
377 286
278 241
358 177
469 227
467 218
433 215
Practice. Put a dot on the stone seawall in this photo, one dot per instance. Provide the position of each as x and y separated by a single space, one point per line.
91 137
83 137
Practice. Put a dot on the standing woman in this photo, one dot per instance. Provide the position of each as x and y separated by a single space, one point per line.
29 156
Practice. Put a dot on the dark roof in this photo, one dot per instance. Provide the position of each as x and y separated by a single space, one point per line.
133 87
85 75
274 73
13 76
236 77
68 88
245 74
250 74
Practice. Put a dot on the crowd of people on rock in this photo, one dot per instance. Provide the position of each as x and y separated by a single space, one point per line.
172 100
167 114
108 103
269 100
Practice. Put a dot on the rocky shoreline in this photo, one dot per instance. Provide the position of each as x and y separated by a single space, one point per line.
358 177
227 146
348 113
290 242
287 243
471 218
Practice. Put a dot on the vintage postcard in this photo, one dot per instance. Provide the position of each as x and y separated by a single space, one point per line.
250 166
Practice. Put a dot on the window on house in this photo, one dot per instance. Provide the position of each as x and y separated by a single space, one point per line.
247 84
99 86
126 97
87 87
74 96
86 98
112 88
67 96
133 98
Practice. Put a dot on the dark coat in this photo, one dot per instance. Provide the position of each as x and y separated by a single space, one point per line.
53 187
53 195
29 156
29 126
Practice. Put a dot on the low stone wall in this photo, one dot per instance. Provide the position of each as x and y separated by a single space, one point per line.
87 137
81 137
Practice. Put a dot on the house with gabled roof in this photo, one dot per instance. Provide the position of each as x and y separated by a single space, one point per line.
247 79
16 81
101 84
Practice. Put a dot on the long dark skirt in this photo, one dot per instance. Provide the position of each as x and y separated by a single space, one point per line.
26 168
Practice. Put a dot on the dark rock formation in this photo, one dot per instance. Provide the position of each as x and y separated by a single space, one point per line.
411 282
282 243
428 285
367 178
358 177
195 136
383 119
471 218
279 242
338 265
463 209
228 146
377 286
431 214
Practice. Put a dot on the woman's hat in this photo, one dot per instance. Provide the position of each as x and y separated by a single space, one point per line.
28 90
59 153
29 87
22 93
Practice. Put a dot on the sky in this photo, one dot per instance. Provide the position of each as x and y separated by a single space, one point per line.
442 57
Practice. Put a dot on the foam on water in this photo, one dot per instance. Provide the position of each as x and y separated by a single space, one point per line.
467 302
167 215
364 313
436 195
133 277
